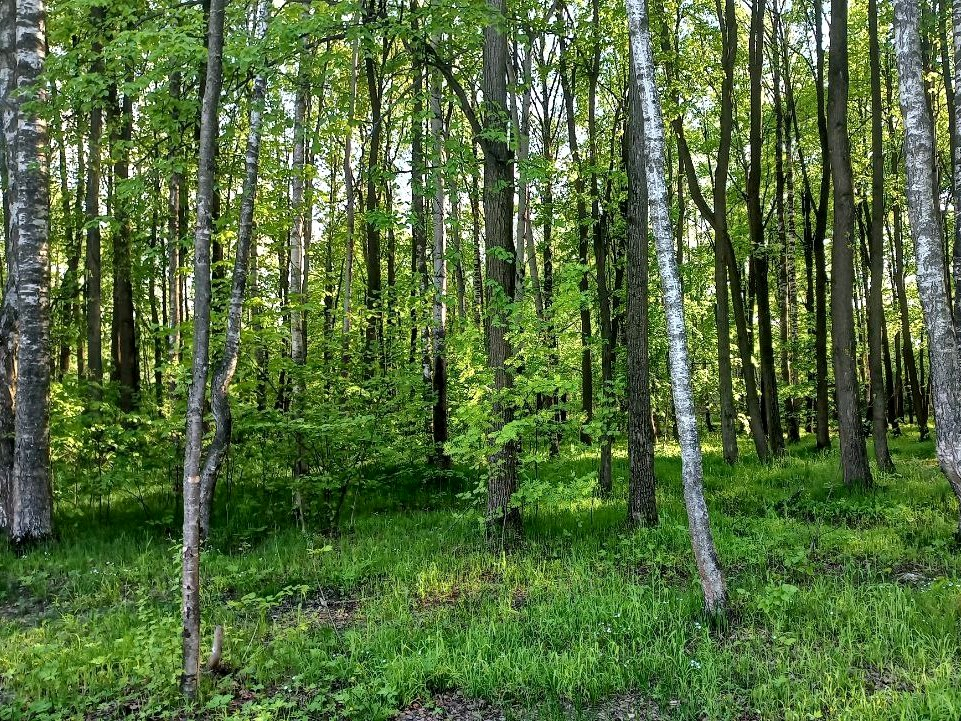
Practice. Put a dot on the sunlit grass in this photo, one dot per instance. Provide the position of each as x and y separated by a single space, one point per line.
824 624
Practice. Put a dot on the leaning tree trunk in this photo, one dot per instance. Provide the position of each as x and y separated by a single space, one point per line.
209 131
30 492
712 579
854 457
879 423
919 151
641 500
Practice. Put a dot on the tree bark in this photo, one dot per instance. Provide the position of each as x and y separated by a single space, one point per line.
759 261
583 235
209 131
854 459
692 472
876 321
503 518
641 500
438 339
30 499
919 151
123 345
8 312
223 376
92 261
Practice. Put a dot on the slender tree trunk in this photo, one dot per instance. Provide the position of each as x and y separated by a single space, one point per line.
956 254
220 385
876 321
478 277
126 358
94 286
300 216
175 231
346 286
641 501
583 236
919 151
439 325
712 579
854 459
206 181
759 261
717 217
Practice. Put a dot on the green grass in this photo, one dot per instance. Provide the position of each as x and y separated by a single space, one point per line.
823 624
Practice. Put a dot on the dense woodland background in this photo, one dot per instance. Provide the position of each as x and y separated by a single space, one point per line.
390 254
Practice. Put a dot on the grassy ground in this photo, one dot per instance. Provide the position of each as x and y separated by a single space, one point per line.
846 606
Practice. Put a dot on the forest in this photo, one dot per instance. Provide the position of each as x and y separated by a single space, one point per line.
480 360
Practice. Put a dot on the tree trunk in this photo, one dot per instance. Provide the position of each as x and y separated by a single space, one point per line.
919 151
92 262
854 459
876 321
123 346
583 235
759 262
8 313
439 325
503 519
712 579
220 385
30 493
641 500
174 235
209 131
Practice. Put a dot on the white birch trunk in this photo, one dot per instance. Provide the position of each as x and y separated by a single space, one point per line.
945 345
712 579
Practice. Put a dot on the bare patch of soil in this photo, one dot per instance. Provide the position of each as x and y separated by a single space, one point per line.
322 606
877 680
673 575
450 706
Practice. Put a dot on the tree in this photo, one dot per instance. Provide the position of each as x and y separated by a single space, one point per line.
919 147
692 472
879 423
209 132
29 494
854 459
641 501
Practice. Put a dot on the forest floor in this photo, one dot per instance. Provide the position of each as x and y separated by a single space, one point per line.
845 605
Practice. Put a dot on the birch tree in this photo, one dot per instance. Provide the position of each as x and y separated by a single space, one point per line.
919 153
692 471
29 491
209 131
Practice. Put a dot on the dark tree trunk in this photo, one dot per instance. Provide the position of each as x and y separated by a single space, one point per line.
854 460
503 518
876 321
641 501
583 239
759 261
123 346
